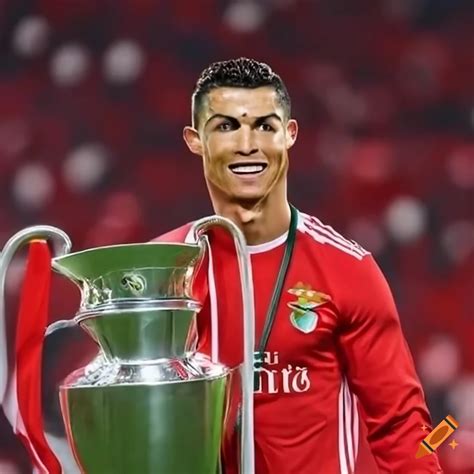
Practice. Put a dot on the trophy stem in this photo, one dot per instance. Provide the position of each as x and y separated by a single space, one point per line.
13 244
243 257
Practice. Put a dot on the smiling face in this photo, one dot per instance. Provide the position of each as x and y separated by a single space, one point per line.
243 138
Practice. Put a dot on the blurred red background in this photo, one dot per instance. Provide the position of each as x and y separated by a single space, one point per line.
94 95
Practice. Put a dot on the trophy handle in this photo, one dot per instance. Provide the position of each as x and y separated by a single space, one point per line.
243 257
63 246
58 325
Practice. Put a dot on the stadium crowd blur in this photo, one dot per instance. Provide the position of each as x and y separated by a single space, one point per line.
94 95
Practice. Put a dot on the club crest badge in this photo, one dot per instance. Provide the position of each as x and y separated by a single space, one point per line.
303 316
133 283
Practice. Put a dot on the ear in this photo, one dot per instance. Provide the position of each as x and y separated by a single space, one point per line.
192 139
291 133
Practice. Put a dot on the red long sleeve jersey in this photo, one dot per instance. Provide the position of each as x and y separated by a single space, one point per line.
338 392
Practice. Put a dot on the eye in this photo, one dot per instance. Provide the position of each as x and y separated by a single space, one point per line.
266 127
224 127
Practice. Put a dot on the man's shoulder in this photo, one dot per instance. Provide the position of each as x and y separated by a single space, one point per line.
323 237
180 234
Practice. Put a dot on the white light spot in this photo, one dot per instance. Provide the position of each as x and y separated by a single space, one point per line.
33 186
405 219
85 167
439 362
30 36
123 61
245 16
69 64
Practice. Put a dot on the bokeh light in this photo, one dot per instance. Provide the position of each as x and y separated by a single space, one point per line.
70 64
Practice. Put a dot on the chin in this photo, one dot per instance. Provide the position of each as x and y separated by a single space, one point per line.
247 198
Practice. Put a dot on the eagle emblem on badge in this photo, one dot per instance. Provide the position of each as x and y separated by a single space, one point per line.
303 317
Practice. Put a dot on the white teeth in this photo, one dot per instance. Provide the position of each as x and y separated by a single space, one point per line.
248 169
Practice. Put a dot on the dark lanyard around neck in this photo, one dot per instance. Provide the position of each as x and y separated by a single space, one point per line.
282 272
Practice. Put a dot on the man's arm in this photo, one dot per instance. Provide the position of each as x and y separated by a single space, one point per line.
380 371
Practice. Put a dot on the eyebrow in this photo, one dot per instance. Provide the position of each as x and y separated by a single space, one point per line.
258 120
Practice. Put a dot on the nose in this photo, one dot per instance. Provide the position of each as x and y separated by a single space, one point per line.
246 145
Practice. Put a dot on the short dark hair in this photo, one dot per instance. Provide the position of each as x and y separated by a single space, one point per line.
241 72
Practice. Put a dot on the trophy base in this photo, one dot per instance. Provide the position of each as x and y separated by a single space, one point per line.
146 428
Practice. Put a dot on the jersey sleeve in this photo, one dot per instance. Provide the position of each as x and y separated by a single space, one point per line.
380 371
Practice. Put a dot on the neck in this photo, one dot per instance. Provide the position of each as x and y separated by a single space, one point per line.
260 224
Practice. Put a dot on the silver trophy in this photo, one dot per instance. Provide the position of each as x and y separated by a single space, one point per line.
148 402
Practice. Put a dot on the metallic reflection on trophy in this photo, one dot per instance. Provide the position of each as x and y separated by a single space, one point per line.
148 403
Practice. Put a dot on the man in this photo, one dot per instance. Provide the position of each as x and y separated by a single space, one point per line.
337 391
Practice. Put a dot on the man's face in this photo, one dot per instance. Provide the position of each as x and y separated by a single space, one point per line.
244 140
